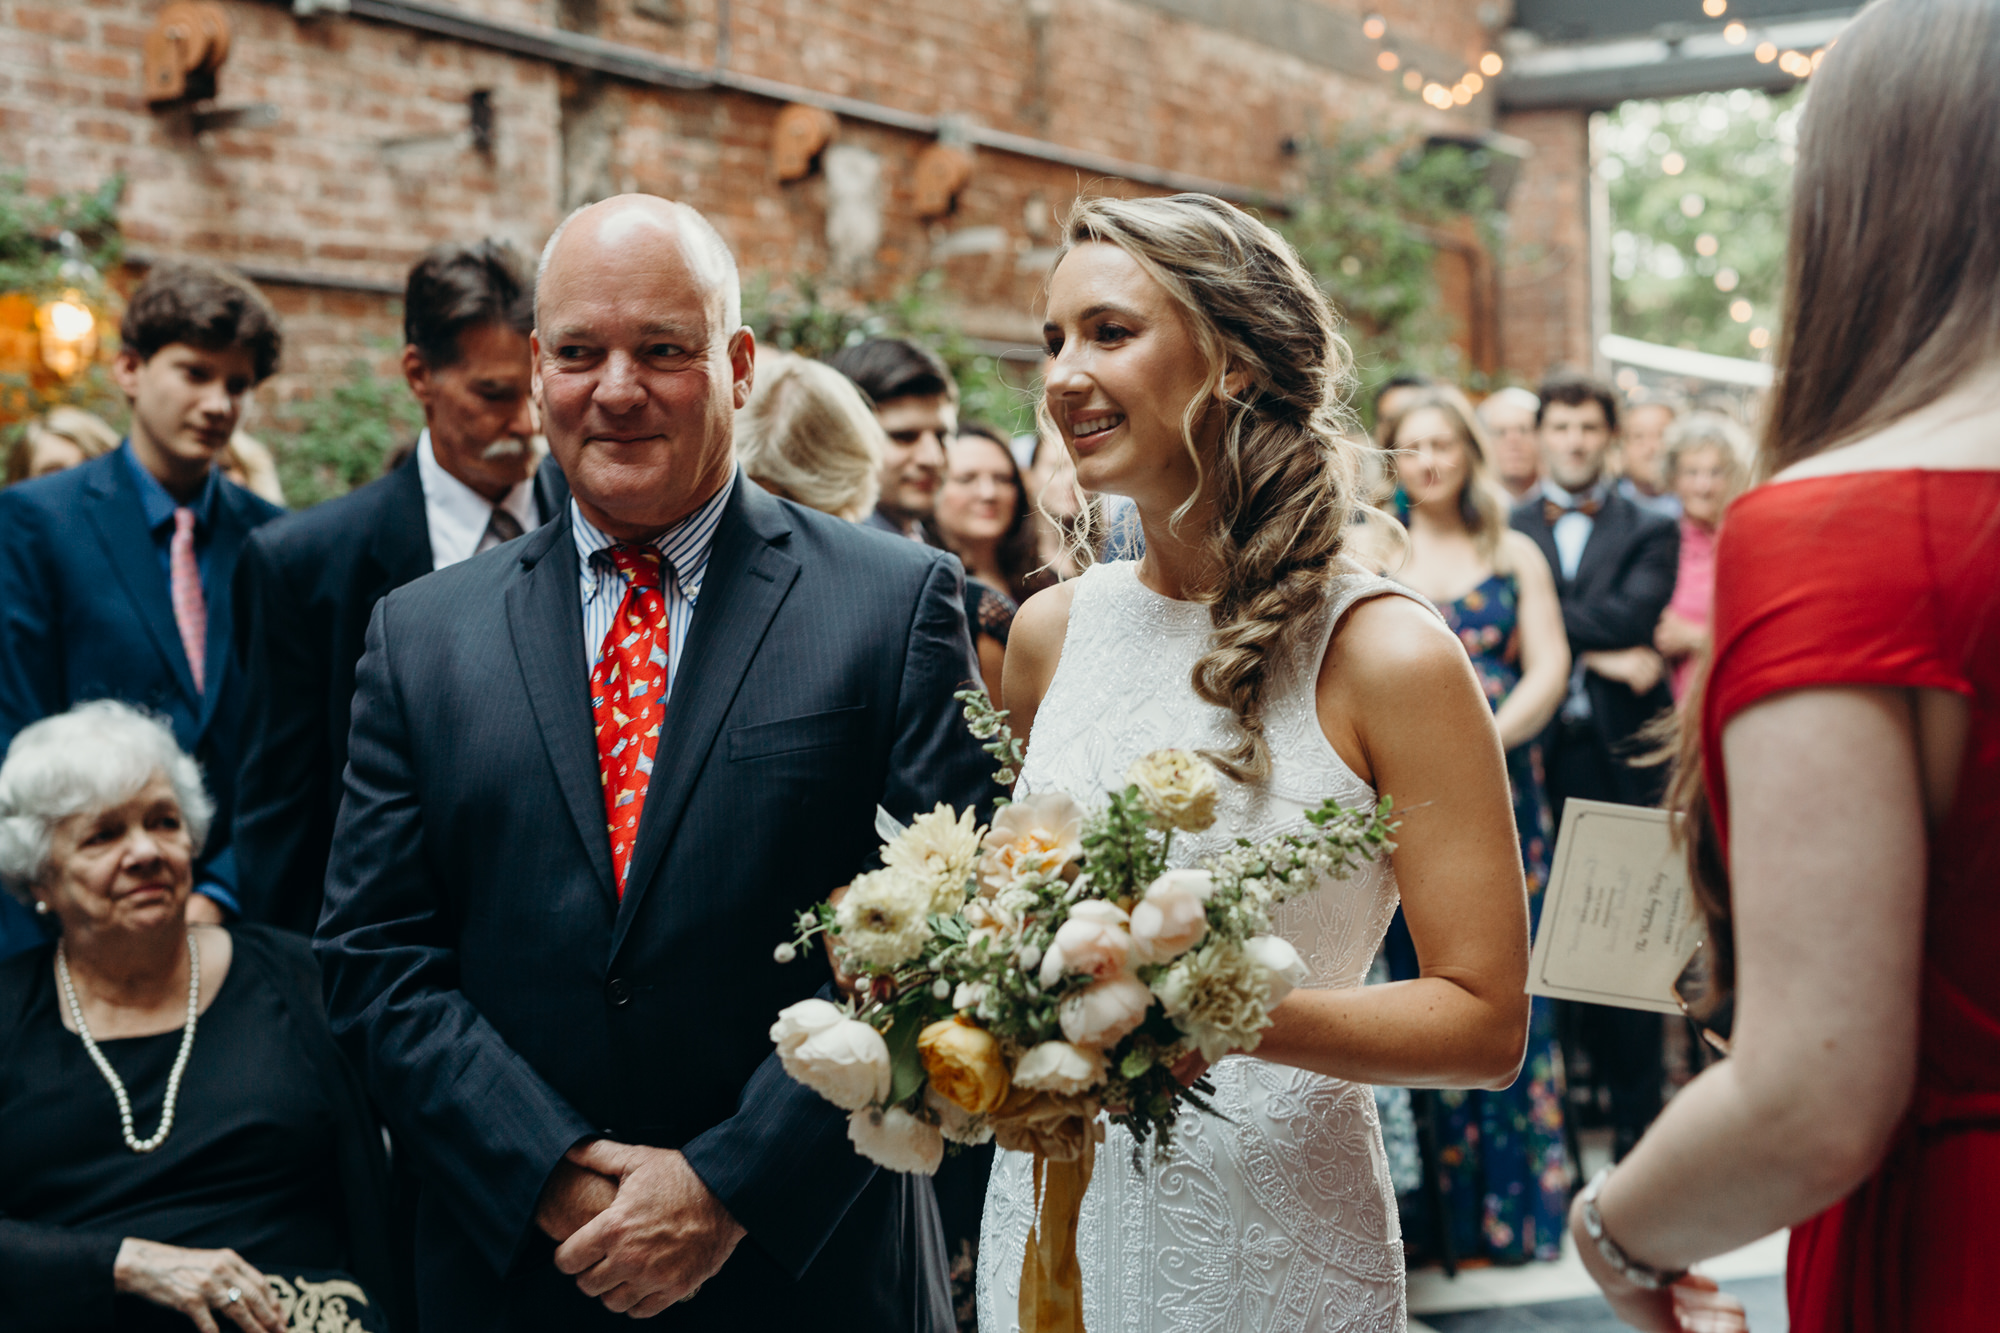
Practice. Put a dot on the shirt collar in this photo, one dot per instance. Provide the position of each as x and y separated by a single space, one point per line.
466 510
1568 501
684 547
157 503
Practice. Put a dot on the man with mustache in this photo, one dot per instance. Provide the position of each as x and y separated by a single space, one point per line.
114 575
307 584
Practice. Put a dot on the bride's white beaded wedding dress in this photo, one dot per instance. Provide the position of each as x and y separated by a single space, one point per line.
1282 1218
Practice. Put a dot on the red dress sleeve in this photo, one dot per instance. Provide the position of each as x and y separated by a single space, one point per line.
1824 582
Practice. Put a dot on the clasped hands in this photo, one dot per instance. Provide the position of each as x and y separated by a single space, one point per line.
635 1226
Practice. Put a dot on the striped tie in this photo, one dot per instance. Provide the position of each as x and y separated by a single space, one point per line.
628 690
184 583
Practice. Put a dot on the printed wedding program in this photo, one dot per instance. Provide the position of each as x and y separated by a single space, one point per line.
1619 919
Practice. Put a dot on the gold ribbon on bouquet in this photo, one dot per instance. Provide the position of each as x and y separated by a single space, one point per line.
1062 1133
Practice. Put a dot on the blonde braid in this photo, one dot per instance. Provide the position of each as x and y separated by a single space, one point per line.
1284 478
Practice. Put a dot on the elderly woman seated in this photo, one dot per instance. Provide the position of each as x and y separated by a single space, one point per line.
183 1146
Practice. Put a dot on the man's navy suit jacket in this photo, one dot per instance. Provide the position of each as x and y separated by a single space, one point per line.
504 1002
305 589
85 613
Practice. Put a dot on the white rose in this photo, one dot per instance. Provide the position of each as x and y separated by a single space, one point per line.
896 1140
1102 1014
847 1063
1173 916
799 1021
955 1122
1178 786
884 921
1281 960
1058 1067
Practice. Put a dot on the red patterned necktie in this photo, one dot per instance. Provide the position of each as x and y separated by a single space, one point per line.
628 690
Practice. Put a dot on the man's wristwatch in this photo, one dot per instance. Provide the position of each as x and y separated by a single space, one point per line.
1641 1275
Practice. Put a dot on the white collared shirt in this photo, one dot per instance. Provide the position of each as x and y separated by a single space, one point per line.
457 515
684 550
1571 531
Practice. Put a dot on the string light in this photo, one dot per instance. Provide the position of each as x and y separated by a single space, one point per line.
1461 94
1673 164
1715 9
1766 52
1760 338
1706 245
1388 60
1740 311
1726 280
1817 57
1413 80
1490 64
1374 27
1472 82
1735 33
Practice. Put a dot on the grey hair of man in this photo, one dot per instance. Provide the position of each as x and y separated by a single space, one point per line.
95 756
1511 396
708 254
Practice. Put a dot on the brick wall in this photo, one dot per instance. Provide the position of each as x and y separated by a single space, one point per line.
369 162
1545 280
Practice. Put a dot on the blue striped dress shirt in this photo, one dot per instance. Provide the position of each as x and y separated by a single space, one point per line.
684 550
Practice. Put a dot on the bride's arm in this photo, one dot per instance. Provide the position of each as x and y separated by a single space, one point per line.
1034 645
1398 700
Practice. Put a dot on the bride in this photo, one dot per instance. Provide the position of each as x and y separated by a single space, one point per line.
1194 367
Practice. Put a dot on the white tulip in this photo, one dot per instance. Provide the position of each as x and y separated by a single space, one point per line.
1281 960
802 1020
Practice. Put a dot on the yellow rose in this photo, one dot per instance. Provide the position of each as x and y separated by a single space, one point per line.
1178 786
964 1064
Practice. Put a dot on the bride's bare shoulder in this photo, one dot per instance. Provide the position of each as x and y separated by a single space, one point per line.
1034 647
1959 432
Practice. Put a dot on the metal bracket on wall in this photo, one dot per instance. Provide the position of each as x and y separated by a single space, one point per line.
251 116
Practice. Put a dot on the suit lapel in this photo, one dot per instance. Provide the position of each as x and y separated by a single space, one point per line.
1537 527
551 490
1607 537
747 580
401 542
545 620
228 526
120 520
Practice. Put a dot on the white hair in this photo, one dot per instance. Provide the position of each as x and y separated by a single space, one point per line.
1511 396
707 252
89 759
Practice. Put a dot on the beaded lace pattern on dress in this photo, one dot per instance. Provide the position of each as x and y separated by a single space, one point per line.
1282 1218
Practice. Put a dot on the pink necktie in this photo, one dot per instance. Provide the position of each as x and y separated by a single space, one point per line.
184 580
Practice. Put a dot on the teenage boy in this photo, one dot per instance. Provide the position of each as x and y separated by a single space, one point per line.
115 575
309 582
916 402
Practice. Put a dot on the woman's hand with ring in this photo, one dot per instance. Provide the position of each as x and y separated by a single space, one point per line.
198 1283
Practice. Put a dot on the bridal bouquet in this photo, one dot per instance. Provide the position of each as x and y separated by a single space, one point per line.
1011 982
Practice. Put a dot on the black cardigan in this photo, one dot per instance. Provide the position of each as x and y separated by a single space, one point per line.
54 1278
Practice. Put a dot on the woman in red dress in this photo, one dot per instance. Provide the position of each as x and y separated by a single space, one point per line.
1843 798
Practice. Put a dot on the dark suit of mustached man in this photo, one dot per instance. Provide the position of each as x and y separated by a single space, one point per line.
564 1012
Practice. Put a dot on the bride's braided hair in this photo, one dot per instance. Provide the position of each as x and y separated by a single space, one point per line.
1283 478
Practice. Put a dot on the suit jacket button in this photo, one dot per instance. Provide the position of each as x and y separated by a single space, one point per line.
620 991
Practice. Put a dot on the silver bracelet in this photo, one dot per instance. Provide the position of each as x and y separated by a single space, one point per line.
1641 1275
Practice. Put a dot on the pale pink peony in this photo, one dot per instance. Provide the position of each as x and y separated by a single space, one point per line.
1093 941
1099 1017
1037 835
1173 916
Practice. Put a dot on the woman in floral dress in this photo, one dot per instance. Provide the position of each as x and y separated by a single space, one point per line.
1505 1172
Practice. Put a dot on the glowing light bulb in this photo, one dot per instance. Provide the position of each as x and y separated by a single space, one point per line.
1735 34
1388 60
1491 64
1374 27
1461 94
1673 164
1413 80
1726 280
1740 311
1706 245
1766 52
1760 338
1473 82
1715 9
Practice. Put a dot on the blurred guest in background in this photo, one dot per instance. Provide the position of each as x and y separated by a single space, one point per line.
1063 514
982 517
1504 1168
1707 459
916 401
117 572
258 1157
1643 478
1614 564
1838 778
1509 417
60 438
249 462
807 435
1391 397
308 584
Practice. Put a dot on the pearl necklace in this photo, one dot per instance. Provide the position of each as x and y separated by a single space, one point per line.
133 1141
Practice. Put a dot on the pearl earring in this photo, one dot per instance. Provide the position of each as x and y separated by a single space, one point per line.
41 907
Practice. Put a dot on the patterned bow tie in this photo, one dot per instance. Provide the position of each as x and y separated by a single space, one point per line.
1587 505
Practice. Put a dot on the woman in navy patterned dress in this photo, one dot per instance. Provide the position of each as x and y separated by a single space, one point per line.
1505 1171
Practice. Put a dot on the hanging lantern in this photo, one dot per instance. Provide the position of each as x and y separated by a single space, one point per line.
68 330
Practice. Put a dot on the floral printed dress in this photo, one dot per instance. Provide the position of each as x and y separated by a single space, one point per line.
1505 1170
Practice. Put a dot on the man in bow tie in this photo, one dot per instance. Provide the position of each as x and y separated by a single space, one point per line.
1615 565
593 777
